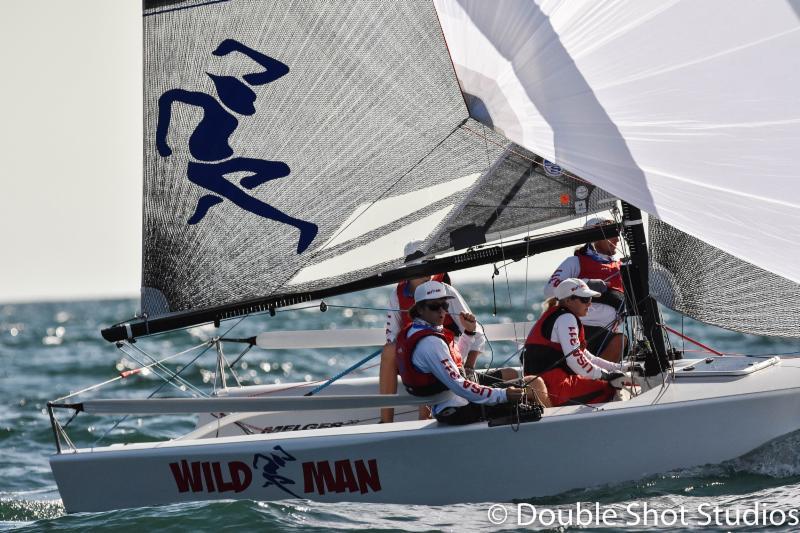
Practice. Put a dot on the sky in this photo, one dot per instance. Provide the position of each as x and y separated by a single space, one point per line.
71 147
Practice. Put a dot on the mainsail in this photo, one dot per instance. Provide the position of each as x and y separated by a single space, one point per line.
295 145
688 110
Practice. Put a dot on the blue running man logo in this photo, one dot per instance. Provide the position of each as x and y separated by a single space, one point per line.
272 463
209 143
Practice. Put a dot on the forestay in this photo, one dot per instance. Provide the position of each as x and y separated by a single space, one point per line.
688 110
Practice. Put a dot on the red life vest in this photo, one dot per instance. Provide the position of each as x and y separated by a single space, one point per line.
416 382
542 354
405 298
593 269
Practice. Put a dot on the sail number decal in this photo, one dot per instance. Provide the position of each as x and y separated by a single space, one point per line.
209 144
319 477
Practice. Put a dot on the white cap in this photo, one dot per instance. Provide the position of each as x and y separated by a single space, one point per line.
430 290
595 221
573 287
413 247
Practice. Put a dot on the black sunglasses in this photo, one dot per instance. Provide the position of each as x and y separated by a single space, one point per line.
584 299
436 307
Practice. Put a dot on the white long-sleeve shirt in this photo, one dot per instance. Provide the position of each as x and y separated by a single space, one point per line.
432 356
600 315
581 361
457 306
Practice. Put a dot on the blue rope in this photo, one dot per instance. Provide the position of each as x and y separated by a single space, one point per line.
343 372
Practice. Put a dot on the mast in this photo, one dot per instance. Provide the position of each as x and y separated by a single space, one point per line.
636 277
471 258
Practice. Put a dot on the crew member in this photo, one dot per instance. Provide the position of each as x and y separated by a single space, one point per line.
429 360
595 263
556 351
400 301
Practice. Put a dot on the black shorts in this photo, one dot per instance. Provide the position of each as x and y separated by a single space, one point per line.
492 378
472 412
597 338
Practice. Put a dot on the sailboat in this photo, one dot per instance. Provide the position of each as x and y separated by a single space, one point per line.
293 148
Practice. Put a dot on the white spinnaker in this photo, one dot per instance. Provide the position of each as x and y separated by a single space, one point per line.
688 110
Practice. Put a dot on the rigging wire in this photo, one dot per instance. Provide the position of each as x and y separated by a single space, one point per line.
158 389
524 305
683 341
633 323
508 285
165 370
163 375
298 385
637 323
494 292
519 154
126 374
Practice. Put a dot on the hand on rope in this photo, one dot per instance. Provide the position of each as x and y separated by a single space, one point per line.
532 390
515 394
616 379
469 321
470 374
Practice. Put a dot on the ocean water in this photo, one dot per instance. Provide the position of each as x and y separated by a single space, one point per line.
48 350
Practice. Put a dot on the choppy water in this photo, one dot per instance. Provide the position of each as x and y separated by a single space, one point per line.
50 349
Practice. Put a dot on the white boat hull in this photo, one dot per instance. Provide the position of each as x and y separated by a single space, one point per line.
687 423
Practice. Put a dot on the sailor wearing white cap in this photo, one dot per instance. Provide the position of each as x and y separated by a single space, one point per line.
429 360
556 351
596 264
400 301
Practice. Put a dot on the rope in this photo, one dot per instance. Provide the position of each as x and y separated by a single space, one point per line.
167 371
158 389
344 372
685 337
127 373
298 385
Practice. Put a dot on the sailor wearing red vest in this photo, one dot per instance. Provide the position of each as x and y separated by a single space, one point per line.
429 360
556 351
595 264
401 300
